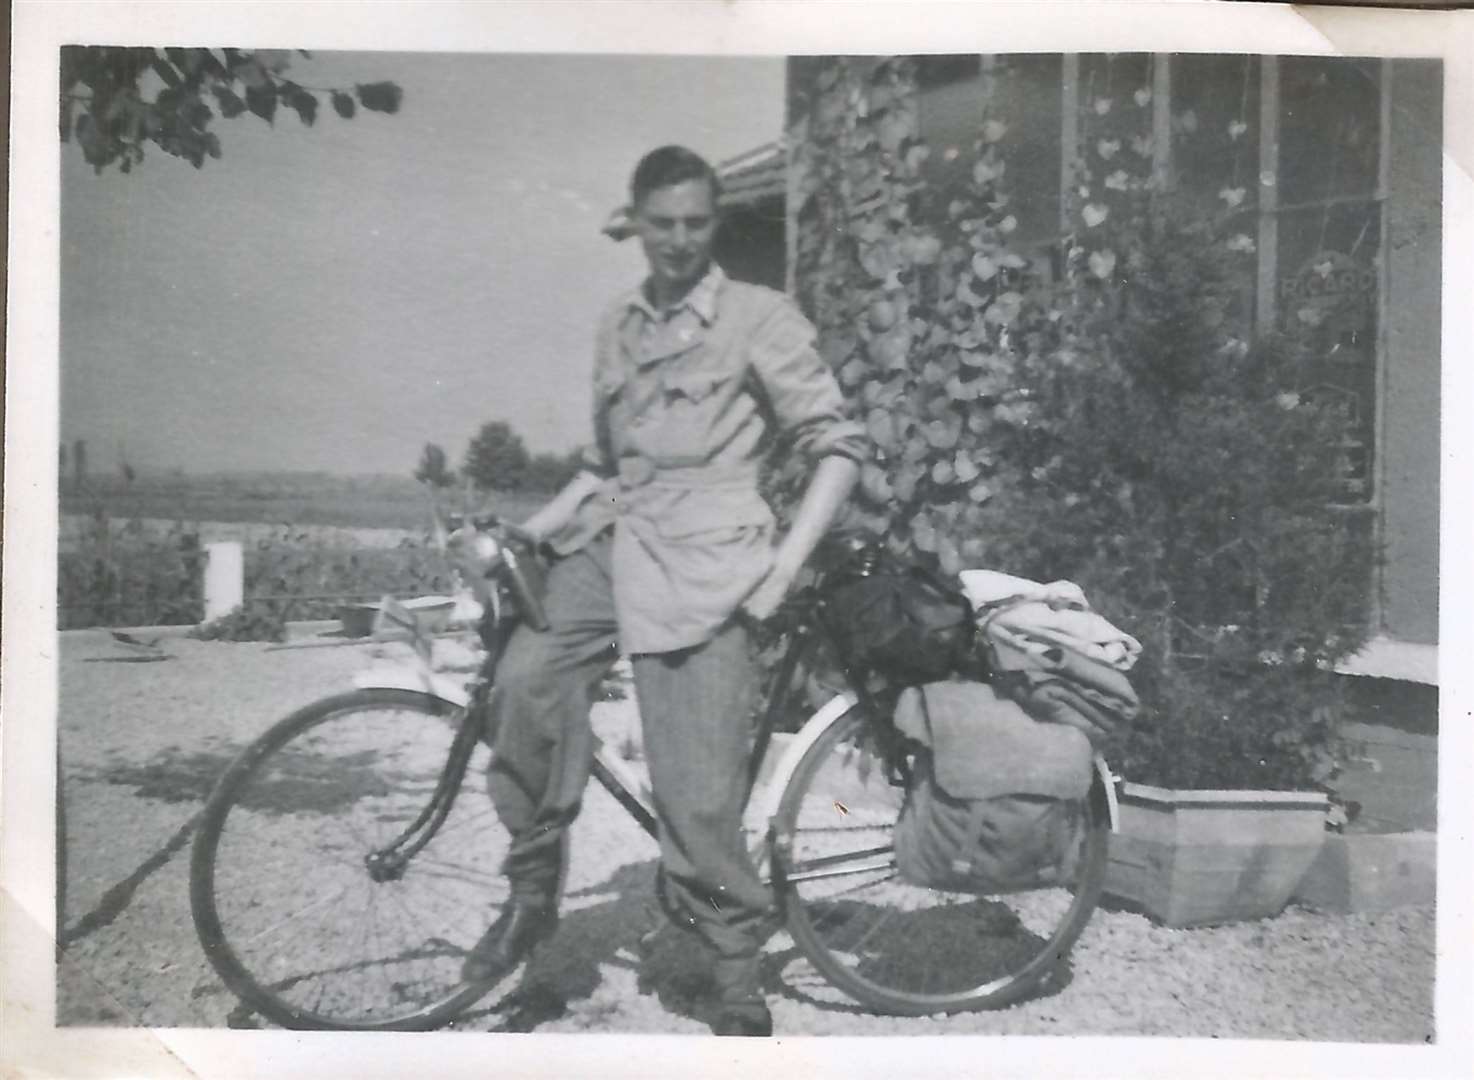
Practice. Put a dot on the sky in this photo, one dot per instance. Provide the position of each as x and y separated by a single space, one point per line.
334 298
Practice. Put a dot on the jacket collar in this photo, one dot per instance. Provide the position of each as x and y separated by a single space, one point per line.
701 300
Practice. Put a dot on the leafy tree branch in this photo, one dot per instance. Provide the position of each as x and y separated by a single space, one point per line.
115 100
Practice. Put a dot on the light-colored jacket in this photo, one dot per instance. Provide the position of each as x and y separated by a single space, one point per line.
686 405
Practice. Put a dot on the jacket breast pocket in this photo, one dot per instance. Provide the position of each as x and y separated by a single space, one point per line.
693 403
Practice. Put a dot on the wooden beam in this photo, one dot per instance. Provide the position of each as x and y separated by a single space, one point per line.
1162 120
1267 183
1069 135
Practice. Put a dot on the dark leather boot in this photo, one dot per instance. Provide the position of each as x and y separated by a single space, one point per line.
753 1019
740 1008
522 924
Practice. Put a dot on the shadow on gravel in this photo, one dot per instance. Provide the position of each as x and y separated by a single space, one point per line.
973 932
567 969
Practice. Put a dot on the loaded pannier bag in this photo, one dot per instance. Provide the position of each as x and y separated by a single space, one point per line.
902 622
1047 650
996 804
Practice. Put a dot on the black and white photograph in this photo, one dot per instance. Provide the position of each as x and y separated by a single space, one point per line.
859 535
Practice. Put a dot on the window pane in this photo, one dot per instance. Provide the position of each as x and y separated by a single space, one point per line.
1328 128
950 117
1328 299
1028 101
942 70
1115 103
1215 132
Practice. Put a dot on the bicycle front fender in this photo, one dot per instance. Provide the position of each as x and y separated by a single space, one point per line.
446 688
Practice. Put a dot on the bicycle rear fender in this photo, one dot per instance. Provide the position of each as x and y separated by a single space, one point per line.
403 677
766 798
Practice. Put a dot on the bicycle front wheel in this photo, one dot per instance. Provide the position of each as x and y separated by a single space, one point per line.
293 911
897 947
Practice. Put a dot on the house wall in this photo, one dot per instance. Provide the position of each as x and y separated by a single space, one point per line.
1216 90
1410 385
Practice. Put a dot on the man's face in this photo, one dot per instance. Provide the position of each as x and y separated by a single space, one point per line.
677 225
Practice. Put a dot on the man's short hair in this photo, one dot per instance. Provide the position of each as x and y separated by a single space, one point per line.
667 166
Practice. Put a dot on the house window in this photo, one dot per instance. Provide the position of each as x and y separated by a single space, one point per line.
1328 240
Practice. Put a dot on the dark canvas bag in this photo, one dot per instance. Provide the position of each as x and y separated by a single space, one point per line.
996 805
903 622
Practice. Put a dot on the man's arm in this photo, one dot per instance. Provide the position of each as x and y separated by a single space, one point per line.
828 490
559 511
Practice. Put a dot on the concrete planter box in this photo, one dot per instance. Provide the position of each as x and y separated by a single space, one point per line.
1195 858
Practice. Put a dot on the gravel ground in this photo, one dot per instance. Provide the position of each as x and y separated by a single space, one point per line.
143 741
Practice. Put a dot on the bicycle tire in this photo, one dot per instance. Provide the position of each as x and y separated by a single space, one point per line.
895 947
268 861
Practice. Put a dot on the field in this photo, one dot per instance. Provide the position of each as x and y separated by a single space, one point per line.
372 502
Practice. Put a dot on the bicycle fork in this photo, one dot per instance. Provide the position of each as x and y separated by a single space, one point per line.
388 863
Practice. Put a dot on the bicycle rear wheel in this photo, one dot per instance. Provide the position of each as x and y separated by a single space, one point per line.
898 947
281 888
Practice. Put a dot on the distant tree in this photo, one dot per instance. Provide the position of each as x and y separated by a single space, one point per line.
496 458
432 469
116 99
549 472
125 470
61 465
79 462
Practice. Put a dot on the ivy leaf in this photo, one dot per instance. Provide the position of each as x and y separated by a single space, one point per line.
965 468
1102 263
966 294
986 170
881 428
958 390
882 315
947 557
941 473
853 373
892 350
923 533
262 101
380 96
983 267
915 451
980 493
923 250
933 372
344 104
943 434
876 484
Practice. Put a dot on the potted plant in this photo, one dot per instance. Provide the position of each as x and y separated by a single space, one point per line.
1177 471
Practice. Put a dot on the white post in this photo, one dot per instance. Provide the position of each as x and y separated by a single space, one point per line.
224 578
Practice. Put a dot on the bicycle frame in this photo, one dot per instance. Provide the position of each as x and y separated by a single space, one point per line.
631 790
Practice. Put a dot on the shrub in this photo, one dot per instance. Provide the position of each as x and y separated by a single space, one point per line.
300 575
123 574
245 623
1104 417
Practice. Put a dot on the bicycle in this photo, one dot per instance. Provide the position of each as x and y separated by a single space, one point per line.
355 796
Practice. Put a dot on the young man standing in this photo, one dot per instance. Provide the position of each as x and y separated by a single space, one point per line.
664 549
